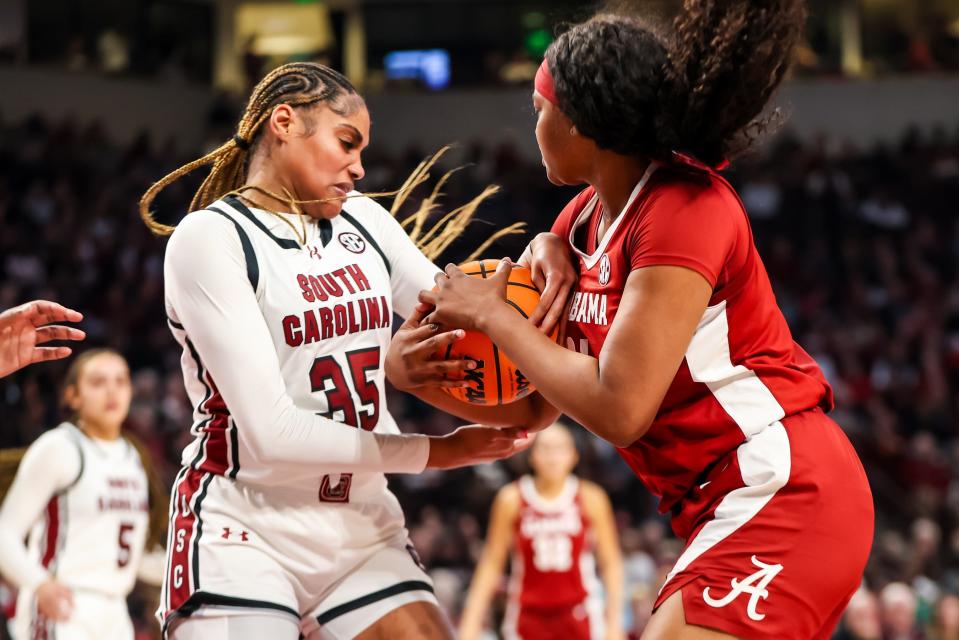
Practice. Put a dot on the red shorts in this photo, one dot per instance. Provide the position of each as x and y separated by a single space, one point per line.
780 536
576 622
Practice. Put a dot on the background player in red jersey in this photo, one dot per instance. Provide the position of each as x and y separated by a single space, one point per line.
551 521
681 356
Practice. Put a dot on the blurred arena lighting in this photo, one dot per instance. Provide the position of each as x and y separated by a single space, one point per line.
432 66
284 29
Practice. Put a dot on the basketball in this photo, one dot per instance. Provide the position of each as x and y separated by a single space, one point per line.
495 380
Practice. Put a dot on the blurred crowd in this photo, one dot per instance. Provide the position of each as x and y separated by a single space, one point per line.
862 246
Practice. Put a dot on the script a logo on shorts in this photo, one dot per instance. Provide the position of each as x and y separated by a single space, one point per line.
352 242
604 270
754 584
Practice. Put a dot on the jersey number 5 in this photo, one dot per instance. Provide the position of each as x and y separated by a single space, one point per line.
339 398
123 555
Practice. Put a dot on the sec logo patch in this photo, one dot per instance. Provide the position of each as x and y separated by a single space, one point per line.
352 242
604 270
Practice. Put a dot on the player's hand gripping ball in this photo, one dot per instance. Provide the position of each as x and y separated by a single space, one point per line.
495 380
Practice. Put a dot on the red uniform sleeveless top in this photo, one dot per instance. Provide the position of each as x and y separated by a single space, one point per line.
552 563
742 370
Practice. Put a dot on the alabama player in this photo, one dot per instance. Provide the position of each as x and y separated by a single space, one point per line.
678 352
281 287
81 498
552 521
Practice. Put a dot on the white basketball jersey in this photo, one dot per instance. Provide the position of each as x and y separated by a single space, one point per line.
328 305
91 534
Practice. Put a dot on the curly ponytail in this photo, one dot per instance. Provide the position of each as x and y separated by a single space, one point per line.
700 89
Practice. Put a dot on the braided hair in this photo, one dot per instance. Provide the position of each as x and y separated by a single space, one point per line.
302 85
298 84
700 89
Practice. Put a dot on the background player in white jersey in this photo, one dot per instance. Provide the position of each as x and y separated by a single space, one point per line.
83 495
281 520
551 522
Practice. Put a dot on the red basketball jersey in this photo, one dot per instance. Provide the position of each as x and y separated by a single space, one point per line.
742 370
552 564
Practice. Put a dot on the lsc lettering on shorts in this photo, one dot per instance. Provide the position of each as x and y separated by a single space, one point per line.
754 584
180 539
178 576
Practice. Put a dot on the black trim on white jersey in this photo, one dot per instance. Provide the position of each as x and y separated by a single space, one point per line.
209 394
200 598
199 530
252 266
369 238
284 243
234 449
326 231
171 535
326 227
376 596
201 427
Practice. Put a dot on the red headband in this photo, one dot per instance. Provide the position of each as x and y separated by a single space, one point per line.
544 83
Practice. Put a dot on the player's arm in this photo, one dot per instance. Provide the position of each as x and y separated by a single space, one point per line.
489 569
49 466
608 555
409 364
553 271
532 413
152 566
410 367
676 252
617 395
209 291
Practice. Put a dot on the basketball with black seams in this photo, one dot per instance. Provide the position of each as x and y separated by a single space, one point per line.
495 380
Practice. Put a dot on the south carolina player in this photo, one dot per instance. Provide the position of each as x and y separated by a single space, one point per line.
281 519
82 494
679 354
551 521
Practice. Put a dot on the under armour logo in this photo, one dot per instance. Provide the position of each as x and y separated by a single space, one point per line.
604 270
314 253
244 536
352 242
755 585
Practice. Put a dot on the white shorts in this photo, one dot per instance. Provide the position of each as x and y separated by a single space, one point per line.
336 564
95 617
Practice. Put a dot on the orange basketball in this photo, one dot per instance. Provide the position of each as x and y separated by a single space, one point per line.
495 380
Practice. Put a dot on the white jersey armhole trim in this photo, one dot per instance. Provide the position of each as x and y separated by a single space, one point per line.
592 258
527 488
